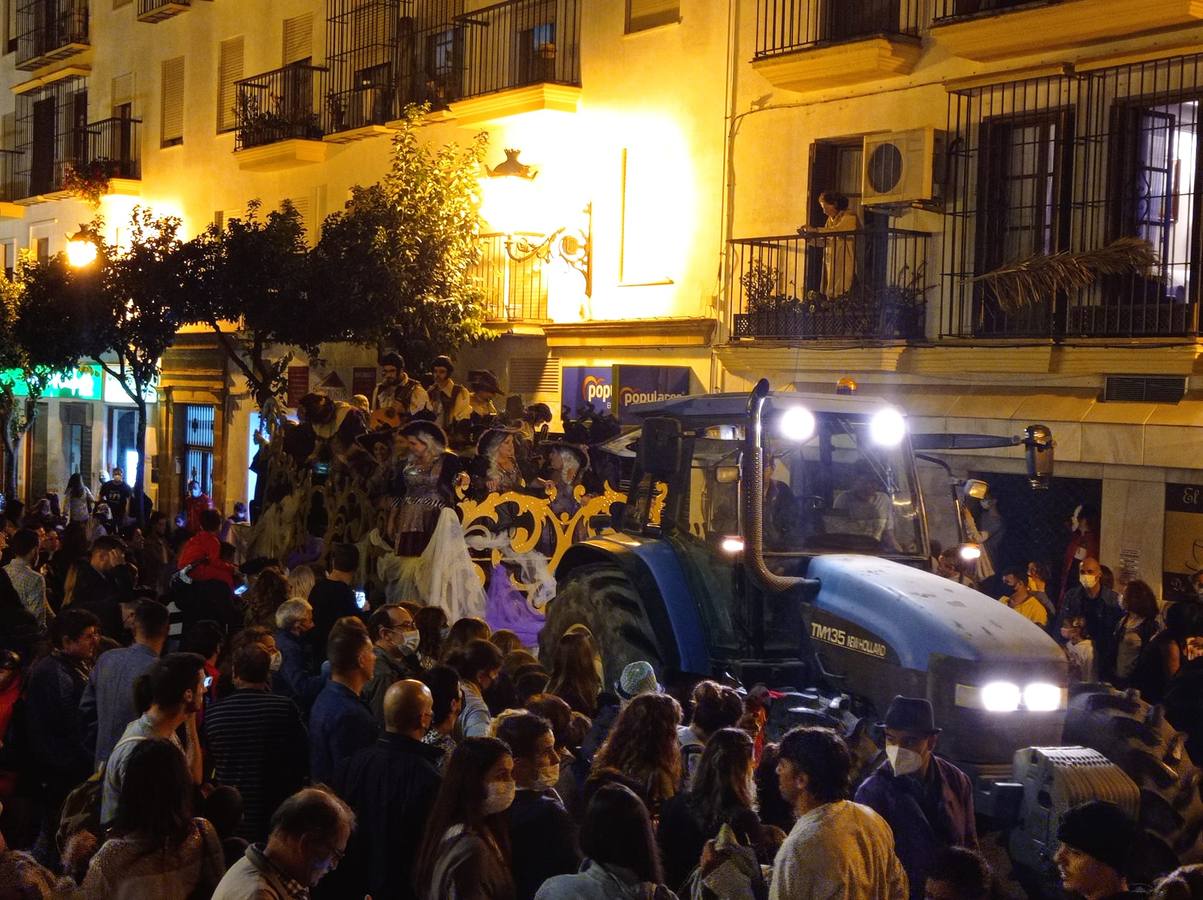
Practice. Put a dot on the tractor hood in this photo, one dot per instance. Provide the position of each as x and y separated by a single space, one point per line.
917 614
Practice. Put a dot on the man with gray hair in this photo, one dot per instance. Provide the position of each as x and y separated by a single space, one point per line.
309 834
297 676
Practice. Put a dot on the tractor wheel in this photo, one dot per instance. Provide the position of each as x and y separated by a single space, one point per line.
601 597
1136 737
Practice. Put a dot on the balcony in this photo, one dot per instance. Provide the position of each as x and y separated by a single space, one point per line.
997 29
50 31
851 285
109 150
153 11
12 186
514 291
510 58
277 118
808 45
115 148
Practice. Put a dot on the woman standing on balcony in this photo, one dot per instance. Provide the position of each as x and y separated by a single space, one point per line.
839 253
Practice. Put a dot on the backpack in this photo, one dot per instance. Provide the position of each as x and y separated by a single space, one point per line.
81 809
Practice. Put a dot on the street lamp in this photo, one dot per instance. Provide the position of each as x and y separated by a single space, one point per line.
82 248
511 201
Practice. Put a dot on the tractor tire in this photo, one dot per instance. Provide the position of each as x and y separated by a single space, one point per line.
1137 738
601 597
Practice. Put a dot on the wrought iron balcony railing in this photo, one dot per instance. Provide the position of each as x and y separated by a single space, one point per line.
848 285
115 147
786 26
279 105
12 185
514 291
50 30
519 43
951 10
158 10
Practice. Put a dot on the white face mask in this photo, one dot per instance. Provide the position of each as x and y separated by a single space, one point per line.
277 661
903 761
548 778
409 640
499 797
1088 581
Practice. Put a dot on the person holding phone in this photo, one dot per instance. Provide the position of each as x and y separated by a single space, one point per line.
334 597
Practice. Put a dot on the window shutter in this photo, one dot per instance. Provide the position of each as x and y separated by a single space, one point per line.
642 14
303 204
172 115
122 90
229 70
298 38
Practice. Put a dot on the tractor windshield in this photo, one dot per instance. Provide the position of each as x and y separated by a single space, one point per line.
837 492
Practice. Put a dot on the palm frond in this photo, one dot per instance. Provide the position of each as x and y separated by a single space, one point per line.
1036 279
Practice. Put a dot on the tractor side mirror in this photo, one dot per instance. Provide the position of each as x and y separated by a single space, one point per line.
975 489
1038 443
661 447
727 474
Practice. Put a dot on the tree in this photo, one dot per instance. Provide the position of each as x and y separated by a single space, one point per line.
399 257
132 306
247 282
34 347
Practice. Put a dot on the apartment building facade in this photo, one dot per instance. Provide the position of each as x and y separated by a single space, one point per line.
680 145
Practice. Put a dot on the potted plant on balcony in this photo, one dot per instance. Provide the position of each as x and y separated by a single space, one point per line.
89 181
771 313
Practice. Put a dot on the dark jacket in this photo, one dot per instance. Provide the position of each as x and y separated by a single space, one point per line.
1102 614
391 785
331 600
925 816
339 725
296 678
56 735
542 841
1184 705
99 595
388 670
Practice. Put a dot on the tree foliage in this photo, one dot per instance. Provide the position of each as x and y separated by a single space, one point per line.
247 281
399 257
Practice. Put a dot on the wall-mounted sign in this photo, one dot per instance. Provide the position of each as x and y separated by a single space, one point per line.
1183 540
647 384
84 383
582 385
298 384
114 393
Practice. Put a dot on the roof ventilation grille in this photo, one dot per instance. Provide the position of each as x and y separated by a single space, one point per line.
1144 389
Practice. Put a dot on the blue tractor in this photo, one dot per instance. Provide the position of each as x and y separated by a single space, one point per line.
782 539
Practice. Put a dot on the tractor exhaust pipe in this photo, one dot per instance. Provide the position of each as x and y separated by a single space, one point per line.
753 479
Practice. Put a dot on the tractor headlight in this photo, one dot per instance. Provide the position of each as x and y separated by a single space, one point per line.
1006 696
732 545
797 424
887 428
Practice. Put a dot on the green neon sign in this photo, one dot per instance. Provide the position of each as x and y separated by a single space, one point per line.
83 383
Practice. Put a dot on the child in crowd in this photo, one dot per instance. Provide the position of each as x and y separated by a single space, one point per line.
1079 649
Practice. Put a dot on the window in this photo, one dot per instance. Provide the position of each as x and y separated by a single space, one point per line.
121 95
171 121
537 53
41 249
10 26
229 70
444 62
298 39
644 14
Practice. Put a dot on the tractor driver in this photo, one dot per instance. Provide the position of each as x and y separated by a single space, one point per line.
867 510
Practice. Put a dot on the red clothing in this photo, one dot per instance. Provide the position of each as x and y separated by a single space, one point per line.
193 507
204 549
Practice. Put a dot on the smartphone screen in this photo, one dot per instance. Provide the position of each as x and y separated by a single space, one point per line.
208 681
361 599
240 590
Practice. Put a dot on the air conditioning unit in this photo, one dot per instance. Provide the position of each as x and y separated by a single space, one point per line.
901 167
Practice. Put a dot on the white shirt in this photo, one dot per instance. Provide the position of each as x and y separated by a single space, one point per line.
838 851
869 517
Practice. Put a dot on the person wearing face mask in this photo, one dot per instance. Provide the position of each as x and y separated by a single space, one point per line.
1020 599
395 642
1083 545
465 850
444 685
309 834
927 801
542 834
391 786
255 742
479 665
1099 605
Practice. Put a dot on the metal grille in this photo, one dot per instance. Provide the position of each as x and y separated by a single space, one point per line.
279 105
850 284
1072 163
197 443
52 133
514 291
951 10
50 30
115 147
521 42
784 26
1144 389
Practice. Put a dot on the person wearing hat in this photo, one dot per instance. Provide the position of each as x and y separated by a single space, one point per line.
484 387
446 399
1096 839
927 801
397 391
